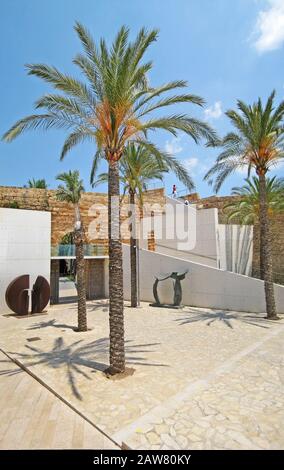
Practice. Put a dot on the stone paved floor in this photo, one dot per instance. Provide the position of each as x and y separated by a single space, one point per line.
31 417
203 378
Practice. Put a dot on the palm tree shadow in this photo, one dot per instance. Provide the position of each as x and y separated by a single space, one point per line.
80 359
98 305
46 324
226 317
94 305
9 372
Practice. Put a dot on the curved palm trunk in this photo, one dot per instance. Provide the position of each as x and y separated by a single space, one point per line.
265 246
116 320
133 253
80 268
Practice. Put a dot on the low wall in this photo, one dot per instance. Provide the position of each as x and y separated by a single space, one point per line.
203 286
185 255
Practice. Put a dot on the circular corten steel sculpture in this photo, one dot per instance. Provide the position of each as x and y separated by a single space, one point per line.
40 294
17 294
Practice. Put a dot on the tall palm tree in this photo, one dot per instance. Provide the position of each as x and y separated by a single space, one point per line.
71 192
245 207
257 143
40 184
137 168
114 105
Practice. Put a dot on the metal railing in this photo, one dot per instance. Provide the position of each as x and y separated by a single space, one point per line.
180 193
69 250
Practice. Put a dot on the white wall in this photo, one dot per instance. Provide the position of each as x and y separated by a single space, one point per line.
186 255
203 286
236 248
24 247
199 227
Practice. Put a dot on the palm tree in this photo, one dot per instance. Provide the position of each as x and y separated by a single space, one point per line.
245 207
137 168
114 105
40 184
71 192
258 144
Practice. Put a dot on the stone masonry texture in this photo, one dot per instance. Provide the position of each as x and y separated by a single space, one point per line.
93 208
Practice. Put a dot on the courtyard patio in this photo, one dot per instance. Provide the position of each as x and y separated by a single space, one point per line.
204 379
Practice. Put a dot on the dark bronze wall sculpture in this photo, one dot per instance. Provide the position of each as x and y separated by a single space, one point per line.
177 277
17 295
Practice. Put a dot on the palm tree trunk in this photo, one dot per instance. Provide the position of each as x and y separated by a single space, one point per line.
265 247
133 252
116 320
261 265
81 286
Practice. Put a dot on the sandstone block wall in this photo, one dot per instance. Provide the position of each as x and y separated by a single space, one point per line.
93 208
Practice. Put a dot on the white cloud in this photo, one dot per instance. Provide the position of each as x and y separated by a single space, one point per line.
194 166
269 29
173 146
278 166
197 167
214 111
243 170
190 163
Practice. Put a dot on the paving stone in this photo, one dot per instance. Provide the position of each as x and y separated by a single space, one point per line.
188 399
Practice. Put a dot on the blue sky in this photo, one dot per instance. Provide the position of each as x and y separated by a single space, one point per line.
225 49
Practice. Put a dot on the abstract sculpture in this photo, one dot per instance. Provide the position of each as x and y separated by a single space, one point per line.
40 294
17 295
178 277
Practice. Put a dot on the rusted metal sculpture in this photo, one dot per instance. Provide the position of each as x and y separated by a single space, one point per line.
17 295
40 294
178 277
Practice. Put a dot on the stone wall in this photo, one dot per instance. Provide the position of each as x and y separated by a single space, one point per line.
218 202
93 208
95 278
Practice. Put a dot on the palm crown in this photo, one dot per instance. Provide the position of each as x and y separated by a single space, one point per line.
113 106
138 167
72 189
40 184
257 143
245 208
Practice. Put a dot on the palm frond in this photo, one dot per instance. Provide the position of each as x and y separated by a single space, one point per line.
78 136
70 85
258 142
72 188
38 121
99 155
